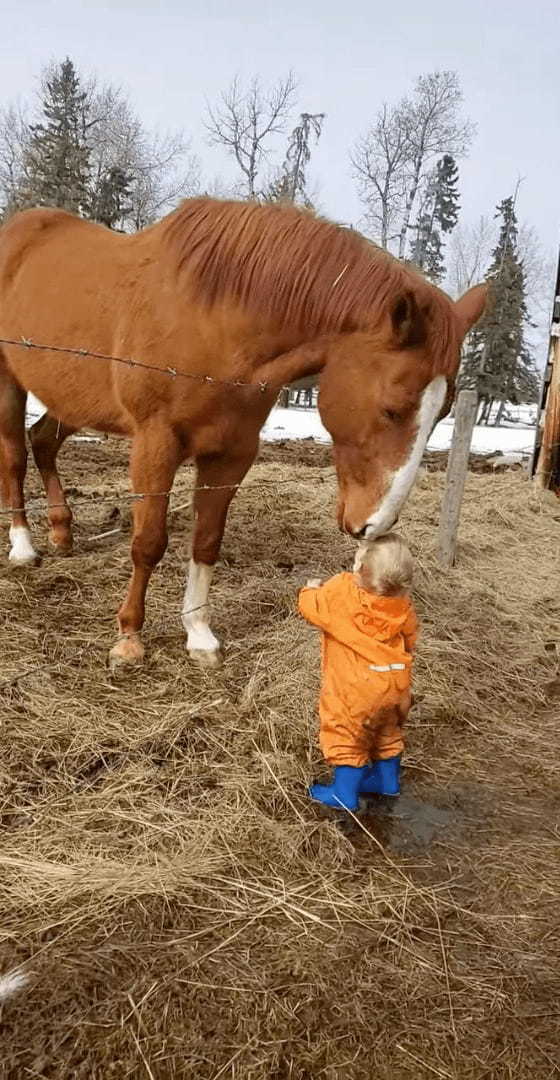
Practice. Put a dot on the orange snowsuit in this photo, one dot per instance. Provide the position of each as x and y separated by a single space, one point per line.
362 710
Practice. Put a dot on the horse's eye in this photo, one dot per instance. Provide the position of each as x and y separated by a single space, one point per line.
391 415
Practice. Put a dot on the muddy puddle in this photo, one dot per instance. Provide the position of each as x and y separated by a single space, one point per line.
407 824
411 824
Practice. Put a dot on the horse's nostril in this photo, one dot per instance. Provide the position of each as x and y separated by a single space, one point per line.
360 534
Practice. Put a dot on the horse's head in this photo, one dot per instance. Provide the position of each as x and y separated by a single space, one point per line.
381 393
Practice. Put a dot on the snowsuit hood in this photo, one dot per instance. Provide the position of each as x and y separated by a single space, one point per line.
373 626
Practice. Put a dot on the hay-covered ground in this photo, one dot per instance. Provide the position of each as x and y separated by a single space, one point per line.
180 907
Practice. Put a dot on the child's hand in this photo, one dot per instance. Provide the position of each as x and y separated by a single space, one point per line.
313 583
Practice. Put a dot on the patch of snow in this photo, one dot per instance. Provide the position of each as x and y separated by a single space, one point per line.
507 459
306 424
487 440
34 410
295 424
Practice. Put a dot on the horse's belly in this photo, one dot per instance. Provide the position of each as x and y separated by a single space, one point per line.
83 411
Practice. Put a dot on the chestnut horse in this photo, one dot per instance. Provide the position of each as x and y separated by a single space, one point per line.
254 296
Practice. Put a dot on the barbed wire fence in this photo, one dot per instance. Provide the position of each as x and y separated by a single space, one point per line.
259 386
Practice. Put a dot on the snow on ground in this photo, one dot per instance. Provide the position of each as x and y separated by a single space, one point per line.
306 424
487 440
34 411
294 424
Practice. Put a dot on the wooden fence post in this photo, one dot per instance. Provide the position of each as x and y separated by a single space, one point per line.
456 474
547 471
545 465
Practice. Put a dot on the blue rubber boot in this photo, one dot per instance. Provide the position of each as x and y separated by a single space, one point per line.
344 791
382 778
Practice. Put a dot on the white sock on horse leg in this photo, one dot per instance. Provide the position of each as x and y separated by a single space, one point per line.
195 609
22 551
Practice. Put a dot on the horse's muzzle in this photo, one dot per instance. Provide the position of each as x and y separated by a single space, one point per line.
368 532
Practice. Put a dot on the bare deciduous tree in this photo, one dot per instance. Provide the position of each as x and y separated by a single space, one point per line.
379 159
396 156
469 254
14 141
434 127
539 266
162 167
245 121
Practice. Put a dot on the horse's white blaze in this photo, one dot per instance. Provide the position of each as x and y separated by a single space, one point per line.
22 550
195 609
403 479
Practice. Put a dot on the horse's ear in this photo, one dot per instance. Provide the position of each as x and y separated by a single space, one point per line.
470 307
407 324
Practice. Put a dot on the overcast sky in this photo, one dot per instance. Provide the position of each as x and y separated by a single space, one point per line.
349 55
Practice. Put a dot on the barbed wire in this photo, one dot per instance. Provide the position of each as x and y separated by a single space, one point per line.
261 385
139 496
40 506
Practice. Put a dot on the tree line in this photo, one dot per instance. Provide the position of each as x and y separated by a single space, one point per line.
82 147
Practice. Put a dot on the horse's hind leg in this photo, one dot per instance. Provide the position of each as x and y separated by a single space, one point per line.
13 464
46 438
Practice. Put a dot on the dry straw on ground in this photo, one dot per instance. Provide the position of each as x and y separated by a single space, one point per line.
180 908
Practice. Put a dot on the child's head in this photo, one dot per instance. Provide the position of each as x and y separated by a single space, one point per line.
384 566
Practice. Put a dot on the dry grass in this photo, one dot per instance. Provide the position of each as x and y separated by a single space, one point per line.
180 907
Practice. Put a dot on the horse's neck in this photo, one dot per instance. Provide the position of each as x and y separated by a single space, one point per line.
302 361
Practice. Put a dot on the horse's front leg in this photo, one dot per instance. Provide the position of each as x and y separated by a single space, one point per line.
154 460
217 481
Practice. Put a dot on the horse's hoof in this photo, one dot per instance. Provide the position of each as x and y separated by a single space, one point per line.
22 552
207 658
18 562
127 653
60 548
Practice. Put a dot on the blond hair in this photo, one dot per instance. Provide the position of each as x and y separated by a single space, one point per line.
385 565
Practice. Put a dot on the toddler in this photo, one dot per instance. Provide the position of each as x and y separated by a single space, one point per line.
369 633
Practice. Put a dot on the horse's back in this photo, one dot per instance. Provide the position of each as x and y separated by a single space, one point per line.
49 236
26 231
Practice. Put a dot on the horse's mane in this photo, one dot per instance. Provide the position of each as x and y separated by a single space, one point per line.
299 270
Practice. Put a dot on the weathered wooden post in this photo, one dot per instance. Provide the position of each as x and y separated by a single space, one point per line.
545 464
456 474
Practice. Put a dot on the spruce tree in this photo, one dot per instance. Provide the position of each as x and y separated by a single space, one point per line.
438 214
111 202
498 362
58 154
427 248
447 203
